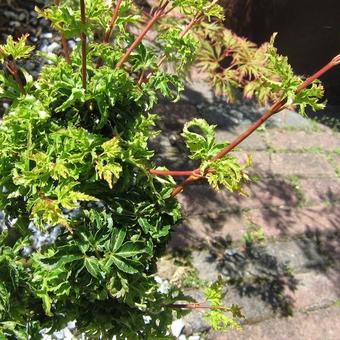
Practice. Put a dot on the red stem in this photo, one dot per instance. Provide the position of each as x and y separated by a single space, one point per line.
83 43
64 40
171 173
112 23
157 14
65 48
196 306
13 70
274 109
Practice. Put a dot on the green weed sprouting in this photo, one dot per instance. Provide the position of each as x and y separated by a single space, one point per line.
85 218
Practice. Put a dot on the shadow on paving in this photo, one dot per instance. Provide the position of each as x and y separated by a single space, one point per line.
215 222
255 273
325 244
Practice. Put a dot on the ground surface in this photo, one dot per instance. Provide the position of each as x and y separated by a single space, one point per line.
287 282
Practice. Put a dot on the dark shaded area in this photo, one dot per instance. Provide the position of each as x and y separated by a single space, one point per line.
18 17
308 33
254 272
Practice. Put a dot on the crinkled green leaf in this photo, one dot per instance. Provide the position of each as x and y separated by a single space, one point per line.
15 49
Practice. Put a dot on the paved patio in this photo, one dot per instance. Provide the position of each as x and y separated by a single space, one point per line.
288 283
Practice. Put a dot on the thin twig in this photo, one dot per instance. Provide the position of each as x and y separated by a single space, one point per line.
13 70
158 13
83 43
172 173
64 41
112 23
196 306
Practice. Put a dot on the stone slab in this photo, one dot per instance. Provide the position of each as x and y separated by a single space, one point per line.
290 164
300 140
322 324
174 115
292 222
200 231
262 299
315 289
290 119
317 190
266 192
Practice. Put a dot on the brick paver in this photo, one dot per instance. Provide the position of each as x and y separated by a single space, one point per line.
302 140
287 222
288 164
322 324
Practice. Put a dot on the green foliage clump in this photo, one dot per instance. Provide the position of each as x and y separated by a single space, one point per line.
219 320
84 221
227 172
233 64
15 49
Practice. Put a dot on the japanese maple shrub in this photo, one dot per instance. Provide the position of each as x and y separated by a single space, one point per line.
85 214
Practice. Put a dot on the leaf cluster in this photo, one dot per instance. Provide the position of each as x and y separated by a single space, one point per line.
228 172
210 9
234 63
218 318
15 49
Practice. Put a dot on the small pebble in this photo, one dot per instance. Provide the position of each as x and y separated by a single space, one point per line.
177 327
47 35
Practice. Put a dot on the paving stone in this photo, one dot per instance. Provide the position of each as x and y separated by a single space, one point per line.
321 324
283 222
199 92
198 231
315 289
290 119
299 140
288 164
253 308
266 297
317 190
335 161
261 276
298 254
255 141
202 199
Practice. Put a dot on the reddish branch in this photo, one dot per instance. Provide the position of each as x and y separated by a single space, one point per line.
196 306
64 41
158 13
195 174
108 32
83 42
112 23
174 173
14 71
